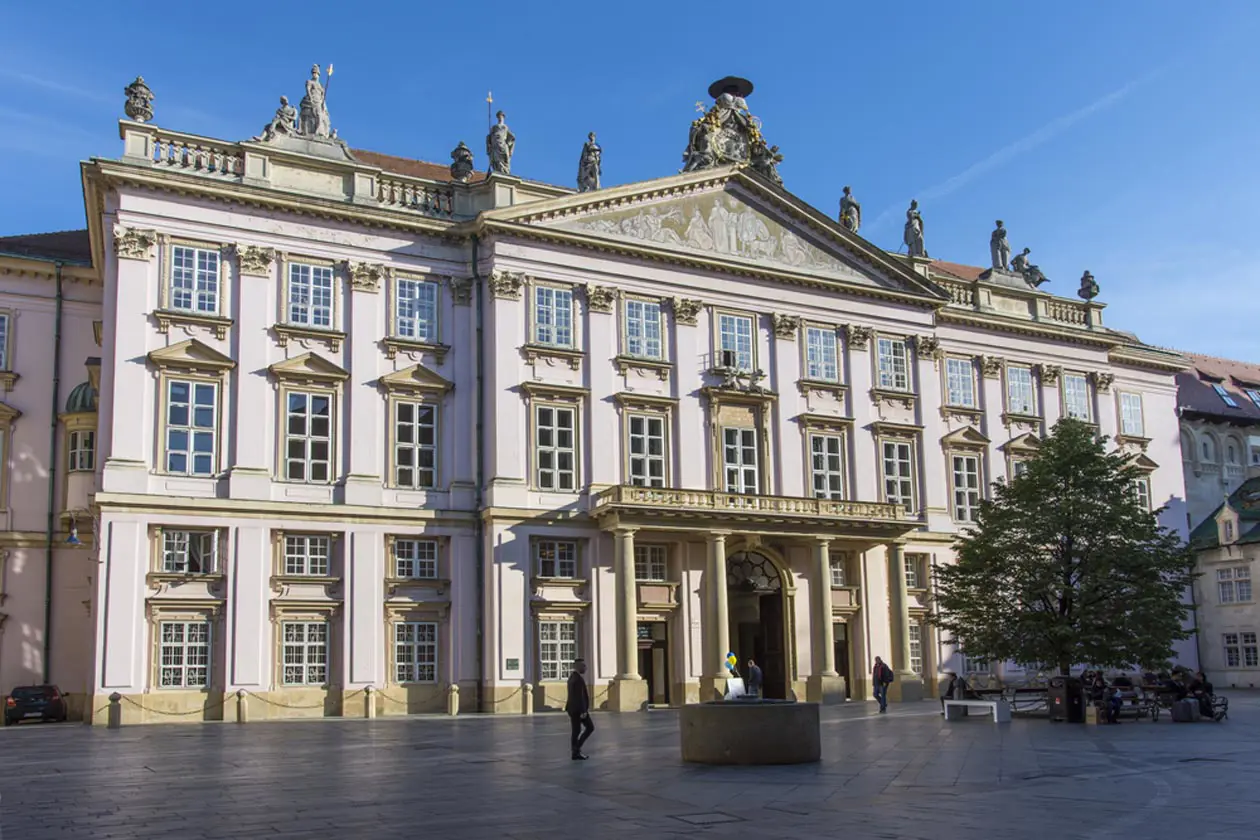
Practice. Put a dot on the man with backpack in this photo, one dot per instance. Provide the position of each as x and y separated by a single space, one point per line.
881 676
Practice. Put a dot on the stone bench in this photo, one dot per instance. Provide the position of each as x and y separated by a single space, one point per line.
750 732
958 709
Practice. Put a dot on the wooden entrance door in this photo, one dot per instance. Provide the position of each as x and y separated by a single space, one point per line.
774 662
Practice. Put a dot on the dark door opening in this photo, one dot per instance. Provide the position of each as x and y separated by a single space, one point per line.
772 658
654 660
842 656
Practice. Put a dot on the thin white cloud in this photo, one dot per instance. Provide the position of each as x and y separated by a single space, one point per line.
1008 153
59 87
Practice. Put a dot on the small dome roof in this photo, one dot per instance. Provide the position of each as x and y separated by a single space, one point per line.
81 399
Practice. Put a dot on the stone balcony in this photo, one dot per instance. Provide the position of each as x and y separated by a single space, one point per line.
690 510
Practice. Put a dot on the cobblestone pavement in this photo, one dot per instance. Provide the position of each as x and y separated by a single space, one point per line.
907 774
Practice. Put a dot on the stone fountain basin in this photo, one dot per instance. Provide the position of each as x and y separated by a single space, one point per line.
750 732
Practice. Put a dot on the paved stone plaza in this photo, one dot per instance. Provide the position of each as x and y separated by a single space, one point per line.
907 774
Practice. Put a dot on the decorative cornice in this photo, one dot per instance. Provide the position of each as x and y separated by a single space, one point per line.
393 346
216 324
255 259
553 355
601 298
686 310
991 366
814 386
365 277
905 399
786 326
134 243
506 284
660 367
858 336
290 332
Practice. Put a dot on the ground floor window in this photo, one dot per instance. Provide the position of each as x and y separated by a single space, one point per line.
916 647
1241 650
415 652
557 648
184 654
305 652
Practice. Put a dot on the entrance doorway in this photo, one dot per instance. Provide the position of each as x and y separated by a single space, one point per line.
841 634
756 606
654 660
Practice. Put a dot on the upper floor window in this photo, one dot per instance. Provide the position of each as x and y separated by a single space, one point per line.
82 450
1252 394
416 310
839 568
1018 467
739 460
556 558
190 552
1076 402
914 570
194 280
553 316
415 445
960 382
415 559
1142 492
1224 395
310 302
643 329
308 437
555 447
735 341
1131 414
966 481
1228 529
4 341
827 465
894 368
898 463
191 427
821 361
646 434
1231 453
1233 585
1021 397
306 554
649 562
1208 445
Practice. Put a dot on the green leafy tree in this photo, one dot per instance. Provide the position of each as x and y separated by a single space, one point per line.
1065 566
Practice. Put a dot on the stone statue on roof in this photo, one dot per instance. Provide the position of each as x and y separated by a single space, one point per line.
1031 273
314 121
913 233
727 133
500 145
1089 287
461 163
590 165
999 248
139 105
282 123
765 162
850 211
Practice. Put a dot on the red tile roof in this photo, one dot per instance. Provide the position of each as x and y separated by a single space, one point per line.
1195 391
962 272
412 168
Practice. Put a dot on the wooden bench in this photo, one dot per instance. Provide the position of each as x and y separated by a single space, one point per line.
958 709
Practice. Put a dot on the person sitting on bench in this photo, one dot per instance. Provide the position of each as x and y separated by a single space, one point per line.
1201 690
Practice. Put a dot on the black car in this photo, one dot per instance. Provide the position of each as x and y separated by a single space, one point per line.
34 702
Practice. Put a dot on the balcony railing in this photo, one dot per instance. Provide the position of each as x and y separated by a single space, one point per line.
708 501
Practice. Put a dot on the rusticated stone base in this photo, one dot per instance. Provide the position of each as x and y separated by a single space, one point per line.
825 690
627 695
750 732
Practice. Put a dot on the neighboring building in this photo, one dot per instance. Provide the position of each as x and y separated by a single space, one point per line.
50 305
380 434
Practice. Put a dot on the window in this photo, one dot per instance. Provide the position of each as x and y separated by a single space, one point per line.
4 341
735 341
898 474
306 555
1241 650
194 280
190 552
191 414
1131 415
1233 585
82 451
915 631
975 665
912 564
827 463
1209 450
310 295
1224 395
415 445
415 559
966 469
960 382
649 562
1142 492
415 652
184 654
894 371
1251 393
1076 402
416 311
553 316
739 456
1229 530
1020 396
1019 467
821 363
557 648
839 569
647 450
305 652
643 329
1231 453
308 437
555 449
556 559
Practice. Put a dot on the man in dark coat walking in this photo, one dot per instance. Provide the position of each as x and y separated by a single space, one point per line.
578 707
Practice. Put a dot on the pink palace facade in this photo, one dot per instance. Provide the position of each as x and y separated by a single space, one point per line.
375 440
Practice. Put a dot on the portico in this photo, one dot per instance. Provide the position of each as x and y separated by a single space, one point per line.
761 553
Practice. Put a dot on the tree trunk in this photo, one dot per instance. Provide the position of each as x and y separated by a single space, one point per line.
1065 669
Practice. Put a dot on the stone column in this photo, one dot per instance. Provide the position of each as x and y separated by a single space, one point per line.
628 692
908 686
713 684
824 685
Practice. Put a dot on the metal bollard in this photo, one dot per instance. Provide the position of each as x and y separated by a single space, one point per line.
452 700
242 706
527 691
115 711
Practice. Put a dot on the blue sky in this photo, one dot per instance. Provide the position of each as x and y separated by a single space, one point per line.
1118 137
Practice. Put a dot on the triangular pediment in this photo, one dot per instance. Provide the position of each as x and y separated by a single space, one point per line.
1026 443
724 219
966 437
416 378
1143 462
191 355
308 367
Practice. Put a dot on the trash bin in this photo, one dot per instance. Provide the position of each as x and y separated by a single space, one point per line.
1065 696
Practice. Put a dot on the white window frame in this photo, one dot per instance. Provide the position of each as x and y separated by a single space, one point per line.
1132 422
556 559
1252 394
641 461
415 559
184 654
966 486
914 640
740 475
893 364
6 321
415 652
645 329
911 562
1233 585
81 450
194 427
827 465
822 354
553 316
194 282
423 456
184 549
306 555
1021 390
837 563
1142 492
1019 466
416 309
651 562
1250 650
311 439
1224 394
737 334
310 295
904 493
960 382
304 655
557 648
556 448
1078 403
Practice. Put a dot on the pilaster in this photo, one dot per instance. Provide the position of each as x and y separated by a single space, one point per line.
250 632
908 686
365 613
718 618
365 411
249 476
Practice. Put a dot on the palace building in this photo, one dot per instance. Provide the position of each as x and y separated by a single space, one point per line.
379 436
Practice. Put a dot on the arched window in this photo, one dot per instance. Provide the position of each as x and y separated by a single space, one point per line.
1231 452
1187 447
1209 449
